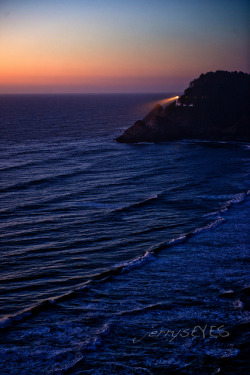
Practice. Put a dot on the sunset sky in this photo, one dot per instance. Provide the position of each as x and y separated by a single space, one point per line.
60 46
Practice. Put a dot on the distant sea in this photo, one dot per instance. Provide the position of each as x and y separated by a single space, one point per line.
118 258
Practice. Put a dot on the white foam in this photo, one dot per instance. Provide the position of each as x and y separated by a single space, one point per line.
137 262
209 226
94 342
176 241
229 291
238 304
222 353
238 198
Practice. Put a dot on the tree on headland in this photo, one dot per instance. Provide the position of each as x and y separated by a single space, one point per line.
224 95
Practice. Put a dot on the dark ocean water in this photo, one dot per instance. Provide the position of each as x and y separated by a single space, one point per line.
105 247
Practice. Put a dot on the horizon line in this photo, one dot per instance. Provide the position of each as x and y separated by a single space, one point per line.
87 93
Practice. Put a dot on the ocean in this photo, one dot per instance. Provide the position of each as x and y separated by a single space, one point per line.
118 258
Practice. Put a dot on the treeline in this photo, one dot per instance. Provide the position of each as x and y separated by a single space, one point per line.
224 95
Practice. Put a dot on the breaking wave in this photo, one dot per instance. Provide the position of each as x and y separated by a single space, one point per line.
126 266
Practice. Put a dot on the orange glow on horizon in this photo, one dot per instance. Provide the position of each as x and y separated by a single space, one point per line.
29 62
88 45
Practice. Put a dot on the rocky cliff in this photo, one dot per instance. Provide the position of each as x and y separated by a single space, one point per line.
214 107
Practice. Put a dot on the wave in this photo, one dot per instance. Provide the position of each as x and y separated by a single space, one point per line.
137 262
9 320
112 207
220 220
187 236
94 342
155 306
18 166
238 198
56 199
137 204
149 200
39 181
126 266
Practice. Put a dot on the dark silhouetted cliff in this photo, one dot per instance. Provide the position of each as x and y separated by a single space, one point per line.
214 107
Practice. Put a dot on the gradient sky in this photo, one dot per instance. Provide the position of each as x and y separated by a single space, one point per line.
119 46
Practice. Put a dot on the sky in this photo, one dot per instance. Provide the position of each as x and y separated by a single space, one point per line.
105 46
